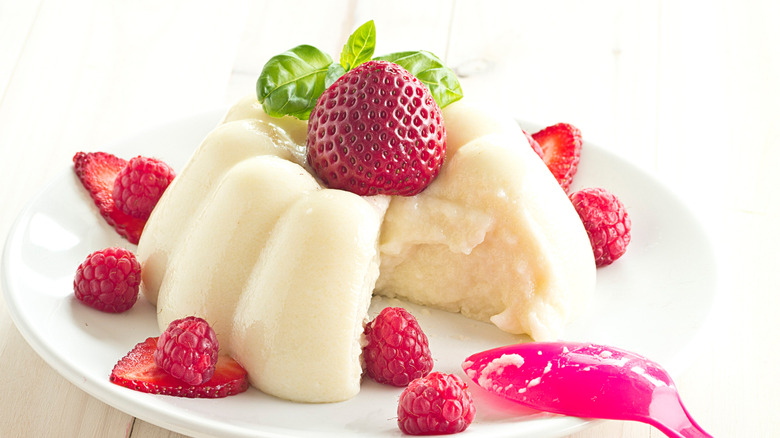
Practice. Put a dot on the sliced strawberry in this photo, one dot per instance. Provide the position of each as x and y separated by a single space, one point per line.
534 145
97 172
561 144
138 371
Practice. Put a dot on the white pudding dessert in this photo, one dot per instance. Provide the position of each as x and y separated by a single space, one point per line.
284 269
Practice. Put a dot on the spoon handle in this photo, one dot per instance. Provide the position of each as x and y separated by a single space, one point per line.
669 415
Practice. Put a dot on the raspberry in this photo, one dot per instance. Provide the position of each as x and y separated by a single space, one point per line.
188 350
108 280
377 130
436 404
606 221
139 185
397 350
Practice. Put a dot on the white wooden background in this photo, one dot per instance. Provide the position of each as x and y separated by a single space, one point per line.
687 90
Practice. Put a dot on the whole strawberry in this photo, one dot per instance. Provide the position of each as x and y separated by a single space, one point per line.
139 185
188 350
436 404
606 221
377 130
108 280
396 350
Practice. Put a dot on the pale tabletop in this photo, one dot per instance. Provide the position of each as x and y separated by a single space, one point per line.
689 93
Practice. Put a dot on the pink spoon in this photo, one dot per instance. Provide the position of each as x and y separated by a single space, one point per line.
584 380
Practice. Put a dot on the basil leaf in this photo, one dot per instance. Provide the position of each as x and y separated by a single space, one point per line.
431 71
335 71
292 81
359 47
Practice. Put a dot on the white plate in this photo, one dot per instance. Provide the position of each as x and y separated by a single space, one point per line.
655 301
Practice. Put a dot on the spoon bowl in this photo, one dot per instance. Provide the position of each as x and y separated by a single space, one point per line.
584 380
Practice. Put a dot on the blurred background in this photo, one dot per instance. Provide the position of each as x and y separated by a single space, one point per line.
687 90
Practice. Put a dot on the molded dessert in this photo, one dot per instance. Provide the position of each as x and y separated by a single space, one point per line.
283 269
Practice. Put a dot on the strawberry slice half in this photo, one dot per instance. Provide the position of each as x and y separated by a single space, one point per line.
561 145
534 145
138 371
97 172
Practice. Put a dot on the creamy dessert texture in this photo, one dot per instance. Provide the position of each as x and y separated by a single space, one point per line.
284 269
493 237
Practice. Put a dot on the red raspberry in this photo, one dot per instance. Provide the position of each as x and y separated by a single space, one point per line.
377 130
606 221
188 350
436 404
397 350
139 185
108 280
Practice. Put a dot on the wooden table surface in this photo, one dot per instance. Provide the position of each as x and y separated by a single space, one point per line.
689 91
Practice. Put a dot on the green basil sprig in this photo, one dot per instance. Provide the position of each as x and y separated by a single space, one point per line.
292 81
429 69
359 47
335 71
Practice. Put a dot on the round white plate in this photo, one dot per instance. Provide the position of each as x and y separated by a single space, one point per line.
654 301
